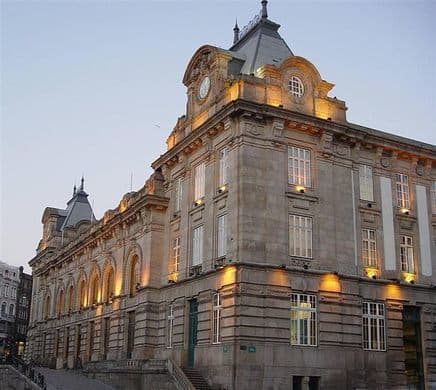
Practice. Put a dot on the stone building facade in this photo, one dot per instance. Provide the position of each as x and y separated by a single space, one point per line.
275 246
22 311
9 281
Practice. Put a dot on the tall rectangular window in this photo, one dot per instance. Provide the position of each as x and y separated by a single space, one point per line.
176 255
406 254
366 183
222 235
197 245
216 319
177 194
303 320
373 320
402 185
300 236
170 325
433 197
299 166
199 181
369 248
223 160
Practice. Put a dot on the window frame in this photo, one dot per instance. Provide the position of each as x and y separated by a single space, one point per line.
367 322
407 254
296 86
402 190
216 318
178 193
199 181
299 167
312 322
222 234
303 231
433 196
223 167
175 254
170 326
197 252
371 260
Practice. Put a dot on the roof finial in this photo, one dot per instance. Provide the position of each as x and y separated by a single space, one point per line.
236 32
82 183
264 12
74 189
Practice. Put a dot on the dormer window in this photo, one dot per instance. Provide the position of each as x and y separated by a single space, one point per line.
296 87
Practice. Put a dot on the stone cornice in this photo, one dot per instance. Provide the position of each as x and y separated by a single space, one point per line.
345 131
99 231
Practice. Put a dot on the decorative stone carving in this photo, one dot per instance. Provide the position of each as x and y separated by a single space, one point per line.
385 162
253 128
277 127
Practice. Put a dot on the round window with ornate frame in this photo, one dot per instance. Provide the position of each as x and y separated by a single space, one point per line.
296 87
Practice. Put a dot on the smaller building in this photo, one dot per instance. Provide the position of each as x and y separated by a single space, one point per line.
22 312
9 282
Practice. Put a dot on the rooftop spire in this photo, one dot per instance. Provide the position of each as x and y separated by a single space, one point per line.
74 189
264 12
82 183
236 32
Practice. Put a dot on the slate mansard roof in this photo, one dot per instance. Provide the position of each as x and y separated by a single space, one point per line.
260 43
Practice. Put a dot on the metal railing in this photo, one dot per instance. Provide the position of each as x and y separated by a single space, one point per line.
28 370
182 381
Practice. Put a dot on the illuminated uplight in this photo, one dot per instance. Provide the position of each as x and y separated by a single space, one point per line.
393 291
228 275
278 277
330 282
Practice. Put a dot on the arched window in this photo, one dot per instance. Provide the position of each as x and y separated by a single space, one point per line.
110 284
61 302
11 309
82 296
70 299
134 277
47 307
94 289
3 309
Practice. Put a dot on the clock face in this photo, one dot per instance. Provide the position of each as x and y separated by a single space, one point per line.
204 87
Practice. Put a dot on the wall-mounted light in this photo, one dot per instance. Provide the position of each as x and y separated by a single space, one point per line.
371 272
405 211
198 202
408 277
300 189
222 188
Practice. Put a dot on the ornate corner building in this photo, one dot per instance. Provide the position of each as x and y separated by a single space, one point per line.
275 246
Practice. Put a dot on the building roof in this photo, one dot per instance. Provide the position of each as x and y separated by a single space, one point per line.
260 43
78 209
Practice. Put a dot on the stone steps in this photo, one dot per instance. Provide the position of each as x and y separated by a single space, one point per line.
196 379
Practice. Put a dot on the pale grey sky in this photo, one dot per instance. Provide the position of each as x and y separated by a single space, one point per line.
95 87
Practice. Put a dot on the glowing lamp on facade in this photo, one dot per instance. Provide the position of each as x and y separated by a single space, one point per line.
198 202
300 189
405 211
408 277
172 277
222 188
371 273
